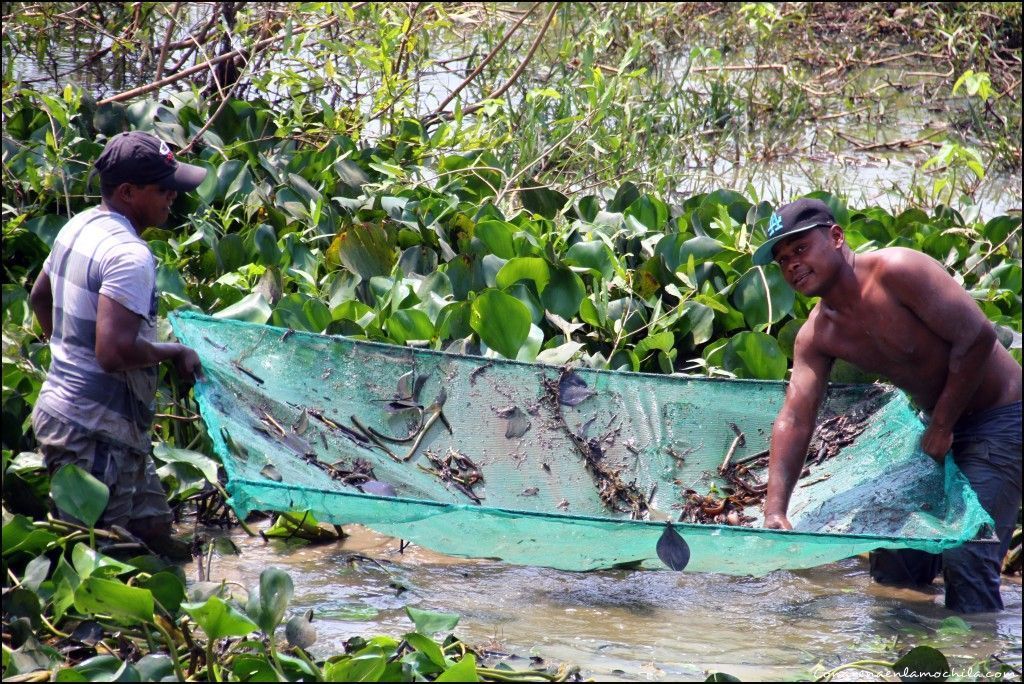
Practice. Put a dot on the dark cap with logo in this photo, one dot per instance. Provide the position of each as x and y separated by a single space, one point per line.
143 159
790 219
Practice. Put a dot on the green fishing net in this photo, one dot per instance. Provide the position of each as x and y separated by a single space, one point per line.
540 465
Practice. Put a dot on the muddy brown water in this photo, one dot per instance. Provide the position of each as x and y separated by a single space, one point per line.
624 625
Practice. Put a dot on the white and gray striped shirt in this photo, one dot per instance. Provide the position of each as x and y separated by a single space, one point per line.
97 252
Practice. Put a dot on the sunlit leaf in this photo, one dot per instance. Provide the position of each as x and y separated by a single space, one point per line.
79 494
429 622
96 595
755 355
524 268
219 619
501 321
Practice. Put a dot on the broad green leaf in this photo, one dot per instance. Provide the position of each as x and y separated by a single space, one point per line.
462 671
524 268
922 664
954 625
363 249
409 324
453 321
624 196
231 253
36 572
677 251
360 668
22 603
167 590
699 320
787 335
531 347
203 463
79 494
154 667
647 212
207 190
594 255
114 598
253 308
219 619
751 297
276 591
501 321
563 293
755 355
110 119
497 236
663 340
63 598
265 241
489 266
101 668
45 227
429 622
301 312
542 200
587 207
249 668
233 178
427 646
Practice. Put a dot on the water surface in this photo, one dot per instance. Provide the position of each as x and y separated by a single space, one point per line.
624 625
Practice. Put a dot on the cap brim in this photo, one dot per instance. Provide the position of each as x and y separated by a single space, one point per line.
763 254
185 177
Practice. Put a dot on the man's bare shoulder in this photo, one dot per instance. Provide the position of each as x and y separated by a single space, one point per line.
812 338
897 262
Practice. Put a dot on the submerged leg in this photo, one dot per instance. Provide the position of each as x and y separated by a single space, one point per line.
972 571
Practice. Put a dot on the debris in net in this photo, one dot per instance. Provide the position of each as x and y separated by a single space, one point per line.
572 390
377 488
829 438
518 422
739 441
615 494
455 469
712 510
270 472
242 369
477 371
436 411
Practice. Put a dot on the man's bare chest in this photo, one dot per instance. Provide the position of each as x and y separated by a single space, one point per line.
881 336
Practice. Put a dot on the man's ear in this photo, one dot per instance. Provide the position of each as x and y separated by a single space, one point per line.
123 192
837 236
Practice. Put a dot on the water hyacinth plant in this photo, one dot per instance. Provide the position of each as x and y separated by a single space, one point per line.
555 183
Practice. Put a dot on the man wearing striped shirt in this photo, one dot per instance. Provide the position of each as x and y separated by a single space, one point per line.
95 300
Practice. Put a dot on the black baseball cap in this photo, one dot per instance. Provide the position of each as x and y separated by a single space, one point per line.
144 159
790 219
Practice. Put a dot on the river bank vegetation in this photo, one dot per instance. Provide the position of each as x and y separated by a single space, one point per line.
557 183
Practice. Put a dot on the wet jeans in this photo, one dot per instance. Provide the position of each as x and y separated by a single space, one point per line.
987 448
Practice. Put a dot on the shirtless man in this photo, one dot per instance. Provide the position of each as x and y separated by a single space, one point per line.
897 313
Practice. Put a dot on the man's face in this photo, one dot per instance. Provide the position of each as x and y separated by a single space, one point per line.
808 259
151 204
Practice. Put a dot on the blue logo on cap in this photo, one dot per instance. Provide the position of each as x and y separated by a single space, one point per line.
774 225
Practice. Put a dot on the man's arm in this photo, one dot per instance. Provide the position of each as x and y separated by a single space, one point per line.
41 299
923 286
794 425
119 347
